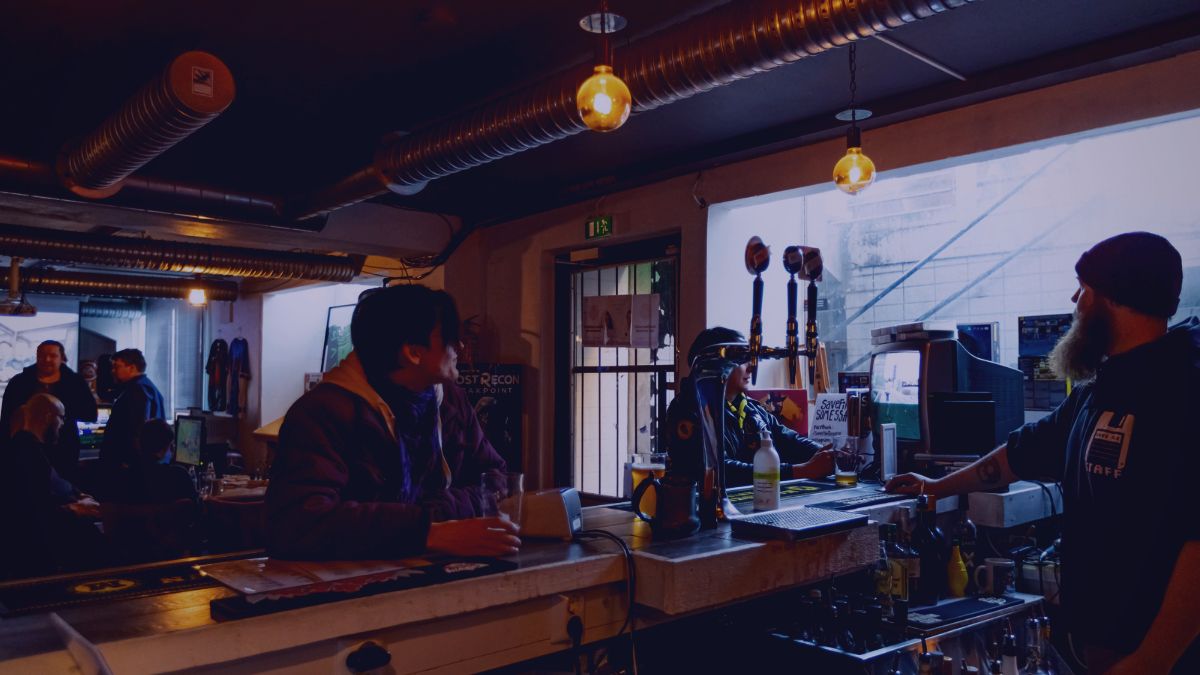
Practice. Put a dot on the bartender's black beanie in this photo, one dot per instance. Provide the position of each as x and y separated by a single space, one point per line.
386 319
1140 270
713 336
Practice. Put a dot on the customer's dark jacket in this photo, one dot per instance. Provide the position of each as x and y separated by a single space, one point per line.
684 437
76 398
337 487
139 400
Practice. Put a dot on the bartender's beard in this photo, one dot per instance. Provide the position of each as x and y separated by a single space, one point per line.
1079 353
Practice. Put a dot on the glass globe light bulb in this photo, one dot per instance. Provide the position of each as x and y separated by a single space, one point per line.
604 101
853 172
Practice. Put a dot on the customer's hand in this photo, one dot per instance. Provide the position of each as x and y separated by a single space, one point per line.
84 507
474 537
819 466
914 484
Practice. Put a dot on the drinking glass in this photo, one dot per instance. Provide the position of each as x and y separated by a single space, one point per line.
647 465
847 460
502 493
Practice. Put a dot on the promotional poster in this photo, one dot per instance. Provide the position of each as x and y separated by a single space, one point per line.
495 391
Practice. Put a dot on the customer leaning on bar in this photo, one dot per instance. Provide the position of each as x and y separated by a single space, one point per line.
384 457
1124 447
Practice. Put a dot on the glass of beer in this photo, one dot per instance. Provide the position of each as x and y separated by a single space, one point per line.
646 465
846 460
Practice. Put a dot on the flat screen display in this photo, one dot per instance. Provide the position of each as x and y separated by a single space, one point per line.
189 439
896 391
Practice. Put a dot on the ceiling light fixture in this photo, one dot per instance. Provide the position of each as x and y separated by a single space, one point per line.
603 99
854 171
197 297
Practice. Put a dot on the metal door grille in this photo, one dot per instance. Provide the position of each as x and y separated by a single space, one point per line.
619 396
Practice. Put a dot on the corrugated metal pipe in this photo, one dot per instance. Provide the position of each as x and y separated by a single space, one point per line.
60 282
169 196
173 256
191 92
729 43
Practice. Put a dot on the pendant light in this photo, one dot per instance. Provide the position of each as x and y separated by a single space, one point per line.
854 171
603 99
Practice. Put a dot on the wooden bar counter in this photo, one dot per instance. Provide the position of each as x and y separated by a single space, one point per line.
461 626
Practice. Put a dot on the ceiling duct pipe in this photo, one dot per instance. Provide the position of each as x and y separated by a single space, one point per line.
713 49
191 92
168 196
174 256
59 282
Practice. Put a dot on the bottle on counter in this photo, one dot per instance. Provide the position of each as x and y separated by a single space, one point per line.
956 572
967 535
766 474
902 562
1008 654
933 553
211 485
967 669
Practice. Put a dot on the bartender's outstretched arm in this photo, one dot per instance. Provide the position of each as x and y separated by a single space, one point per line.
988 473
473 537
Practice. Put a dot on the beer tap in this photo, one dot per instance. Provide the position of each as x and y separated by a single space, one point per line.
793 262
758 258
811 269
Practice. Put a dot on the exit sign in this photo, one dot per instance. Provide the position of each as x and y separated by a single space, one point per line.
600 226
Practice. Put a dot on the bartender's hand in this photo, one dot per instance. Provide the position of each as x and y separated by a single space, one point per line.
474 537
819 466
914 484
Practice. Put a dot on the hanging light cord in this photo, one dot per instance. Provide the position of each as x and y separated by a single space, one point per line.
606 57
853 85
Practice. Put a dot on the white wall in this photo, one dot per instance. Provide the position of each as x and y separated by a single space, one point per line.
293 335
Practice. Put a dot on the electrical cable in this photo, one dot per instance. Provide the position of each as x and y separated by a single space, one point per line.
630 586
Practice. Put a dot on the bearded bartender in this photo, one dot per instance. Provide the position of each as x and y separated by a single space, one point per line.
1122 447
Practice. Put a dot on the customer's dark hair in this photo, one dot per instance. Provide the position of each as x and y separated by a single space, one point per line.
388 318
154 438
133 357
55 343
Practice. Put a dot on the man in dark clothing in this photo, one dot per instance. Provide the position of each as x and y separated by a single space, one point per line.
745 418
384 457
138 400
1122 446
52 376
46 519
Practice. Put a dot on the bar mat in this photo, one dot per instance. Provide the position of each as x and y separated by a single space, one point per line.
437 572
123 585
745 494
932 618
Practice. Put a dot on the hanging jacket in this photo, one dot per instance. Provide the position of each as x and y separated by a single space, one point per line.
218 375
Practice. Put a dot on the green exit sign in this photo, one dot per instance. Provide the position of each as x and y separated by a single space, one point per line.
600 226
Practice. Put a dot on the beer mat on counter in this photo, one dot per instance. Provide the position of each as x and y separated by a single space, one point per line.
99 587
414 573
787 490
946 613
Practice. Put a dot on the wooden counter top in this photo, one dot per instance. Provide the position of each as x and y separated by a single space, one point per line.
175 631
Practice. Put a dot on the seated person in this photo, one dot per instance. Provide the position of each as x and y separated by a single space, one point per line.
383 458
47 519
799 457
151 478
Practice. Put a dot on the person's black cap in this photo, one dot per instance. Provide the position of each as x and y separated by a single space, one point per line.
713 336
1139 270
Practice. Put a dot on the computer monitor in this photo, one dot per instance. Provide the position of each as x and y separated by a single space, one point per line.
189 439
91 434
914 383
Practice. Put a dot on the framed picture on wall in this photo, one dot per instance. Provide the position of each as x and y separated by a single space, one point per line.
337 336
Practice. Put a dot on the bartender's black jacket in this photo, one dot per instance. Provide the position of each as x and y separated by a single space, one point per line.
684 445
1125 519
